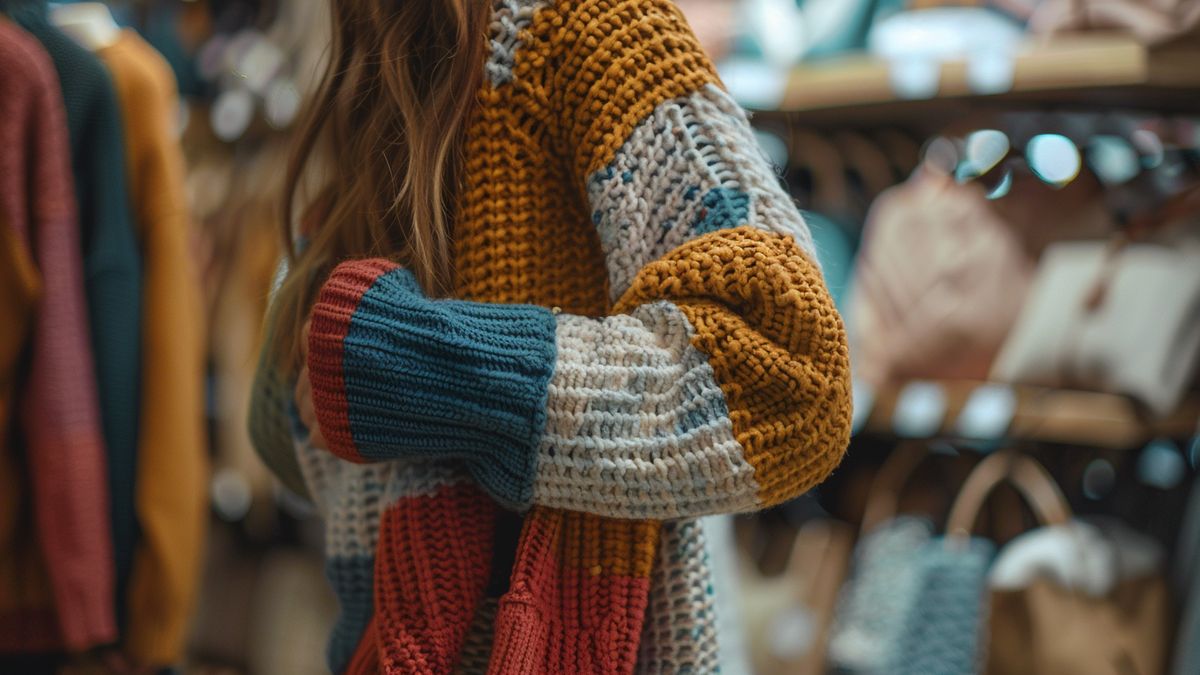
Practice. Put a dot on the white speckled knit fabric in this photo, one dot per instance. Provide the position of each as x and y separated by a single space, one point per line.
637 426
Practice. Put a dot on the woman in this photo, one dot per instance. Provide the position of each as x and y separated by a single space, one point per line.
547 273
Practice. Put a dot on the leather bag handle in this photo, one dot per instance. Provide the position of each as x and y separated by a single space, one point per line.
883 499
1028 476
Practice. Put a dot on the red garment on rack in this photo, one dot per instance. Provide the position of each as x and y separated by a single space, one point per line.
67 602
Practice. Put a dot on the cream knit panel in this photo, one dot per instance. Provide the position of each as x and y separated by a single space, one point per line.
655 194
509 18
680 632
636 426
351 497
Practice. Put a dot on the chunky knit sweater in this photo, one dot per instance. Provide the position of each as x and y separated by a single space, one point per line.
640 336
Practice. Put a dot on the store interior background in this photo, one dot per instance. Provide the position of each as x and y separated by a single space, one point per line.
940 150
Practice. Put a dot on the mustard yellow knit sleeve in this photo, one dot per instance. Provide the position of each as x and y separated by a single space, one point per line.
722 382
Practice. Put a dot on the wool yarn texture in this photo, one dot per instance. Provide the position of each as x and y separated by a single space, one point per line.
639 336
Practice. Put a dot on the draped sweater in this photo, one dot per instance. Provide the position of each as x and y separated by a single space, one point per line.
172 472
639 336
56 566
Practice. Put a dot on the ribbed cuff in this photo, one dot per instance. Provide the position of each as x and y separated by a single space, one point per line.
331 321
396 374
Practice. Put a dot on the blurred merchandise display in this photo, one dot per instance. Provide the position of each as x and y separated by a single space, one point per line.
1017 184
1005 200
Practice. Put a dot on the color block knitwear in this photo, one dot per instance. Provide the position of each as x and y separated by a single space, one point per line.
640 336
60 555
111 259
172 472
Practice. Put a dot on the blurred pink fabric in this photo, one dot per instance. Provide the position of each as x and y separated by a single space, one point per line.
1151 21
943 271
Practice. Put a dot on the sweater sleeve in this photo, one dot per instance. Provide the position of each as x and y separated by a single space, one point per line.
723 326
719 384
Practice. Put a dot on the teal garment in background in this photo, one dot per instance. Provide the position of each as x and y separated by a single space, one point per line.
835 252
111 259
849 20
832 28
1186 585
159 24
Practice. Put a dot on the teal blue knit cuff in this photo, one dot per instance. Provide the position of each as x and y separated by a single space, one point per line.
396 374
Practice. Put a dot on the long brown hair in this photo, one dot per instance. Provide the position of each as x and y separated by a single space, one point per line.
387 123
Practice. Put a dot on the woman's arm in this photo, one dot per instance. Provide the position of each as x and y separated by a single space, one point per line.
721 382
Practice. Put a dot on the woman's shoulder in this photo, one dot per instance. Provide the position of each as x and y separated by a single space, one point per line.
596 24
563 45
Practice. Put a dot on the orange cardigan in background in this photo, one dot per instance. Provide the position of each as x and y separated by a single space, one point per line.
172 473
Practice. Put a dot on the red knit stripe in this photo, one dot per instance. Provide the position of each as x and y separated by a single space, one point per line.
331 318
431 568
82 576
565 615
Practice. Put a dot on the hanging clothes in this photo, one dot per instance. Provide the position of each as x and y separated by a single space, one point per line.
59 418
20 291
1186 585
172 464
111 260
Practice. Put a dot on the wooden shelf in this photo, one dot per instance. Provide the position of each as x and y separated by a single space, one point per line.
1052 416
1093 69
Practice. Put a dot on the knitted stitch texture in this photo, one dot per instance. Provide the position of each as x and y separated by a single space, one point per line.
444 379
694 364
111 261
68 565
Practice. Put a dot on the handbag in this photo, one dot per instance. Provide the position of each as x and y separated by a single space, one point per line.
1118 317
1117 625
938 281
873 606
875 602
942 272
1114 619
946 628
787 617
943 631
